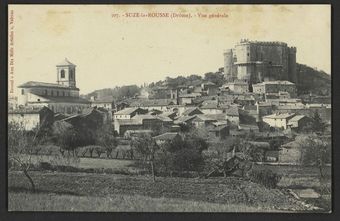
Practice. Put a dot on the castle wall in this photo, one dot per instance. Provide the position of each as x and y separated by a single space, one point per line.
292 65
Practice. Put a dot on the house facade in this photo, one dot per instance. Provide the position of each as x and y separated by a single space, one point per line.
278 120
31 118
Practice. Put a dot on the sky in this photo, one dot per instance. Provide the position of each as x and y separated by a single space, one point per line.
112 51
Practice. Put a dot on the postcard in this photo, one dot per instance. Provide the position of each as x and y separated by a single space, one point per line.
169 108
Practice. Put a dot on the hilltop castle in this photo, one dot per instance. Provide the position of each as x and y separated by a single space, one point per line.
258 61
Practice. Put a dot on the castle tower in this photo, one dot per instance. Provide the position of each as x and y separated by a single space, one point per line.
66 73
228 65
256 61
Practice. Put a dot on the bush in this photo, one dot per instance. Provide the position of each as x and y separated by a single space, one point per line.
45 166
50 150
265 177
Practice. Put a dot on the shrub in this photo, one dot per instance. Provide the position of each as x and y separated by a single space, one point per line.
50 150
265 177
45 166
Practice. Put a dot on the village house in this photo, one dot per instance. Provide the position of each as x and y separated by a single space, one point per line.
106 102
128 113
151 121
282 95
168 136
90 118
264 108
220 132
171 115
31 118
154 104
123 125
236 87
278 120
248 127
293 102
155 112
249 115
188 98
120 105
62 96
299 122
142 122
271 87
135 133
192 111
202 120
185 120
325 112
233 115
211 107
209 88
165 91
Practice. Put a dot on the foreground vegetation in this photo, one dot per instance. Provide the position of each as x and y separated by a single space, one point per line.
231 194
119 203
63 181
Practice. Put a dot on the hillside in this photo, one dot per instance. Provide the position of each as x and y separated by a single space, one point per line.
311 80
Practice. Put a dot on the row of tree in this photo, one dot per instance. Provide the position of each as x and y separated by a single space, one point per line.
118 93
184 153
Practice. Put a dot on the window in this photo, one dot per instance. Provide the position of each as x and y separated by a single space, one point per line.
57 93
248 54
63 93
62 73
45 92
22 91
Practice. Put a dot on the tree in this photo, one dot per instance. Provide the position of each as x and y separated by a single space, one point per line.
315 152
105 137
216 78
69 138
22 145
318 126
147 147
127 91
183 153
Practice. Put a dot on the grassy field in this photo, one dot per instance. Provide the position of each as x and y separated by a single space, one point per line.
75 191
298 177
119 203
78 190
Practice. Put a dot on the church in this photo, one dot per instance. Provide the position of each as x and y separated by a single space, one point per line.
60 97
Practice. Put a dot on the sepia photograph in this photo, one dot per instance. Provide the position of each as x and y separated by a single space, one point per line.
169 108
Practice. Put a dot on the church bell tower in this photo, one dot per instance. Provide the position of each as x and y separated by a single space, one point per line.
66 73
